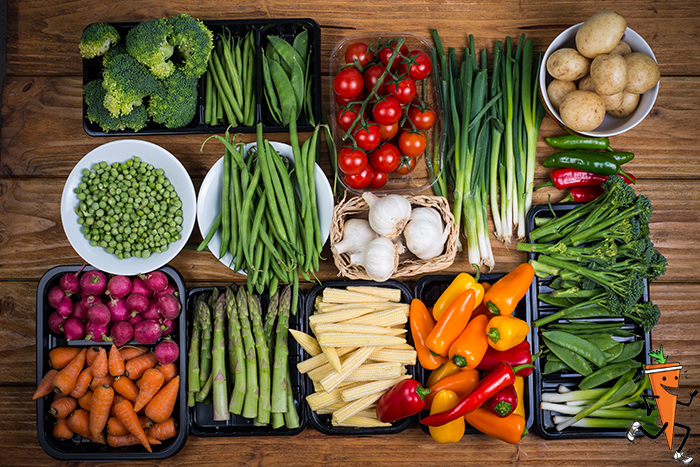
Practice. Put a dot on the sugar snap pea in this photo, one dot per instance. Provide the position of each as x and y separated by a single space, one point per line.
571 359
578 345
604 342
607 374
614 351
301 44
285 91
273 103
629 351
554 367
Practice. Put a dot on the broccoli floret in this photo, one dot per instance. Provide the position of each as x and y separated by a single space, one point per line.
641 249
148 43
127 83
119 49
94 94
96 40
645 314
174 104
193 43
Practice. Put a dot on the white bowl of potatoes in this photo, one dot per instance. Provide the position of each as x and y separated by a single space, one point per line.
599 78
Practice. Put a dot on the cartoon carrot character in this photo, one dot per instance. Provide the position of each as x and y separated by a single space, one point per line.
662 376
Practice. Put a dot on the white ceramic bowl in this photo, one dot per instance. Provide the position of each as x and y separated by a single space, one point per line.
121 151
209 200
611 126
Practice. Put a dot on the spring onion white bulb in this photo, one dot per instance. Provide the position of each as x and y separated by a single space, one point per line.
356 235
380 258
388 215
425 235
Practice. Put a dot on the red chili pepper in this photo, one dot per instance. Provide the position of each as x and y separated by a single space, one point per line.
502 376
406 398
518 355
504 402
566 178
582 194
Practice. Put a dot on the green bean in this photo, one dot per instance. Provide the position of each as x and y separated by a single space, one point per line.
249 79
257 261
229 62
226 87
312 192
274 284
307 221
236 220
260 286
287 190
277 226
257 221
285 92
572 359
578 345
225 204
209 107
219 107
285 210
607 374
222 100
245 210
629 351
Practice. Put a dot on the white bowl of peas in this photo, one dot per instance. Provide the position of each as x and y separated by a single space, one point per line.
128 207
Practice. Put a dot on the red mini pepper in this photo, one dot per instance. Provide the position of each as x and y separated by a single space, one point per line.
504 402
582 194
518 355
406 398
566 178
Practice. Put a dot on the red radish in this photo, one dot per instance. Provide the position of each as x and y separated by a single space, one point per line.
117 308
169 289
167 351
139 286
55 296
137 302
96 332
168 326
121 332
155 280
169 306
70 283
99 314
74 329
118 286
152 311
56 322
65 308
88 300
147 331
135 319
79 312
93 282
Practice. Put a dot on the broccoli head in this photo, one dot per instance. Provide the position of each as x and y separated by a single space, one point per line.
174 104
119 49
148 43
126 83
96 40
193 43
645 314
94 94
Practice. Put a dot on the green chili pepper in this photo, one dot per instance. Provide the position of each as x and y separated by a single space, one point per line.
594 162
578 142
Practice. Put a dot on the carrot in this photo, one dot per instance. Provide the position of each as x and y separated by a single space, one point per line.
161 406
61 430
62 407
92 353
65 380
62 356
169 371
83 383
126 414
128 440
100 366
126 388
130 351
45 386
137 366
85 402
151 382
79 422
117 399
164 430
117 428
107 380
116 362
102 399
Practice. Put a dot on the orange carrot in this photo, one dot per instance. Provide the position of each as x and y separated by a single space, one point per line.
62 407
116 362
137 366
79 422
61 430
102 399
161 406
128 440
100 366
45 387
164 430
117 428
107 380
151 382
130 351
126 414
126 388
85 401
62 356
169 371
65 380
83 383
92 353
117 399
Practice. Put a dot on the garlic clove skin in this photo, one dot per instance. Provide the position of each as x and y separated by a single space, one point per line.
389 214
425 234
357 233
380 259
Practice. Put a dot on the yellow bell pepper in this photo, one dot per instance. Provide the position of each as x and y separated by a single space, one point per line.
450 432
506 331
519 386
459 285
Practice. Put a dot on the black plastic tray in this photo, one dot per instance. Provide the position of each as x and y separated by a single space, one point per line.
286 28
80 449
549 383
428 290
201 415
323 422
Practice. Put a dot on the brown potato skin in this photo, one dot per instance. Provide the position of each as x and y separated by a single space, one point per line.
557 91
586 84
600 33
609 74
642 73
628 106
613 101
622 48
582 110
567 64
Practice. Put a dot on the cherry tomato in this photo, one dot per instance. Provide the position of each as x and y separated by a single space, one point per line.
387 111
386 158
403 89
367 136
351 160
385 52
412 143
340 100
388 131
348 82
379 179
420 65
347 115
406 166
360 180
372 75
358 50
423 118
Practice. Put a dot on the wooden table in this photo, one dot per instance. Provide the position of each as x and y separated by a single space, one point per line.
42 138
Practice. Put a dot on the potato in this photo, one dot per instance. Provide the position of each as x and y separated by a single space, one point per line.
557 90
586 84
642 73
629 105
609 74
567 65
622 48
613 101
600 33
582 110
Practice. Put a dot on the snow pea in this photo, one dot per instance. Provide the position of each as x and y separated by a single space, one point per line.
578 345
285 91
629 351
573 360
607 373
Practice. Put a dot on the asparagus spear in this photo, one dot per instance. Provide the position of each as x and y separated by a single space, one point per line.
239 371
220 389
250 404
206 389
204 313
290 416
193 361
270 318
263 360
280 362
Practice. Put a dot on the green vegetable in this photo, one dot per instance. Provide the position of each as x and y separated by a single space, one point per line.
578 142
263 355
174 103
97 39
148 42
250 404
280 365
204 315
193 361
219 370
578 345
94 94
193 43
127 83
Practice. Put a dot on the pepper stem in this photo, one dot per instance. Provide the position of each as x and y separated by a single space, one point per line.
422 392
516 369
543 185
494 335
459 361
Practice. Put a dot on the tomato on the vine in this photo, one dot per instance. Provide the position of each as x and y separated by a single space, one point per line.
379 179
348 82
347 115
422 116
351 160
406 165
402 88
387 110
389 131
340 100
385 52
386 158
412 143
367 136
359 51
418 65
372 75
360 180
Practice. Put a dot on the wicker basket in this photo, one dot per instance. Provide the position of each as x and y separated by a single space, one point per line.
409 265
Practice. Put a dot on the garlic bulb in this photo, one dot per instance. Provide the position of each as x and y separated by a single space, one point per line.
425 234
380 259
356 235
387 215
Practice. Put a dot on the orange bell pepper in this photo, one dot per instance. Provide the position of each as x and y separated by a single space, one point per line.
459 285
510 429
451 323
450 432
519 386
471 346
504 295
421 326
481 308
446 369
505 332
461 383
